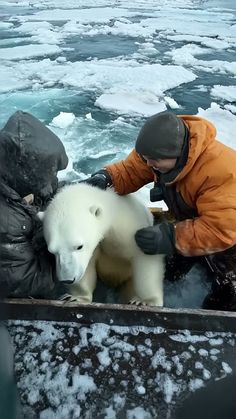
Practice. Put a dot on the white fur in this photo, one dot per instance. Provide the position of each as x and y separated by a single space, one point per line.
104 223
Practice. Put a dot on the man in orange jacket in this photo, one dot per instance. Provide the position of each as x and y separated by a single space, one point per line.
195 175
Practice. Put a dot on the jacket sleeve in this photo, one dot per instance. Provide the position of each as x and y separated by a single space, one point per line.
130 174
26 267
215 228
28 273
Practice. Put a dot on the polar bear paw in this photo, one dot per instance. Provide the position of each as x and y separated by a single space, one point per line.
68 298
157 302
137 302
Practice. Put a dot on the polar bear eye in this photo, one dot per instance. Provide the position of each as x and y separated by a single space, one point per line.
79 247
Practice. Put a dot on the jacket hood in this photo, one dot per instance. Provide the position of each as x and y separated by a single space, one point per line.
201 134
30 156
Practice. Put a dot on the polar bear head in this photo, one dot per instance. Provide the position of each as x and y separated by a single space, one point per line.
74 223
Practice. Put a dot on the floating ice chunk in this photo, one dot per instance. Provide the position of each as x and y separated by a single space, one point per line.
5 25
14 41
224 121
144 82
29 27
116 367
224 92
11 79
148 49
231 108
42 32
226 368
203 352
85 383
188 337
171 102
185 355
147 45
144 350
195 384
160 358
216 342
104 357
28 51
179 366
138 413
202 88
69 171
63 120
203 40
76 349
132 29
123 346
169 387
61 59
88 116
141 390
198 365
110 413
148 342
45 355
103 14
127 104
118 400
100 154
186 54
100 332
206 374
189 22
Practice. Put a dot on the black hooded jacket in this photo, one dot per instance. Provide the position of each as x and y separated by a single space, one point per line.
30 157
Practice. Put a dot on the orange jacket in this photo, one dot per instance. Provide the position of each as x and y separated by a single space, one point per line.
207 183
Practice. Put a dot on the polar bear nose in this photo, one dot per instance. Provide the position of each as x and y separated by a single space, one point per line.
68 281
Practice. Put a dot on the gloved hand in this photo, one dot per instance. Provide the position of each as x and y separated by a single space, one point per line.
157 239
100 179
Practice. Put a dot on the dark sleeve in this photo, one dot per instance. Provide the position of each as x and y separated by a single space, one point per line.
26 267
27 272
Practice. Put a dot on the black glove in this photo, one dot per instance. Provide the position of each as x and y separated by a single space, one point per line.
157 239
156 193
100 179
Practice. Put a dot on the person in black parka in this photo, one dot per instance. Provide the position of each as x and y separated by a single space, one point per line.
30 157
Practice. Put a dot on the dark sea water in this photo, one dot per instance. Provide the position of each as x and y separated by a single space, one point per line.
81 47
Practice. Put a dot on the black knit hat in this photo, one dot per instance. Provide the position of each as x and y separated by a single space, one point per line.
162 136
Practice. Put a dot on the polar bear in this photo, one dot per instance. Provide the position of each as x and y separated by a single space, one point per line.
91 233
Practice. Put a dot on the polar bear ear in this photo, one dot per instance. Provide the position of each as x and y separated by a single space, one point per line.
40 215
95 210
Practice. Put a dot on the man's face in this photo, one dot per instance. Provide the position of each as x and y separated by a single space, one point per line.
162 165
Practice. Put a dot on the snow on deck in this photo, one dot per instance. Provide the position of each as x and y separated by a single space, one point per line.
71 370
